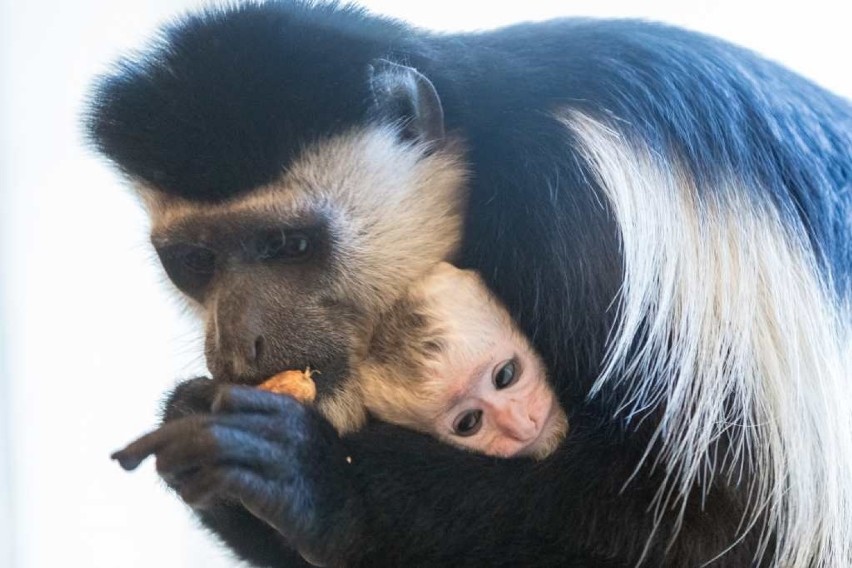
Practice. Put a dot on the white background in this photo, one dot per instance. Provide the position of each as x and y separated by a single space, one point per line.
91 336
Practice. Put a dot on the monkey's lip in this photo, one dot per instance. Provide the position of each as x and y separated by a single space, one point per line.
242 380
326 375
251 381
255 379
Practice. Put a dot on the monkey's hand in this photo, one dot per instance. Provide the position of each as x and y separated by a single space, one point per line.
277 458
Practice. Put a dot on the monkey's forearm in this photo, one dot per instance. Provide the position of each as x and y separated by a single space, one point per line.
252 539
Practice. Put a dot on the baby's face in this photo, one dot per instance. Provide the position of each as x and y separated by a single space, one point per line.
500 403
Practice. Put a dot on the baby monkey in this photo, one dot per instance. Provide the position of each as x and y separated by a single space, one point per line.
449 361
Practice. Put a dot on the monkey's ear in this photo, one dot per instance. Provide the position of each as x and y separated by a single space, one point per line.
402 95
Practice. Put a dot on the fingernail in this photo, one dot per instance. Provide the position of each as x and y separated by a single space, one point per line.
127 463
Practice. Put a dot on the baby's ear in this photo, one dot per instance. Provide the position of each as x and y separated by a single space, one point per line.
444 270
433 282
445 273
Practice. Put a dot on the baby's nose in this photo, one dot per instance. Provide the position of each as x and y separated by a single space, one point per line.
514 420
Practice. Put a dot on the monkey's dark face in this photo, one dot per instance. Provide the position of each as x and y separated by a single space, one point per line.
296 273
263 281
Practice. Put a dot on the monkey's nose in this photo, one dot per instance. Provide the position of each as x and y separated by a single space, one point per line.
257 348
235 355
235 345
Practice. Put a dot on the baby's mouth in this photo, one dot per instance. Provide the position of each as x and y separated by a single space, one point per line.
546 428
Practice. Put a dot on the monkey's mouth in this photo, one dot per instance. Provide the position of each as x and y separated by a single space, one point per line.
327 374
553 431
242 380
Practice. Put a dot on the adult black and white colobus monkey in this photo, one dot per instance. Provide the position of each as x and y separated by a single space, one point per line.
666 216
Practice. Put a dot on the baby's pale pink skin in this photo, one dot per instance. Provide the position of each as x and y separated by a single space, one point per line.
515 419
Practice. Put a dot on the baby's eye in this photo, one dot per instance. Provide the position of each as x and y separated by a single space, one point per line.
468 423
506 375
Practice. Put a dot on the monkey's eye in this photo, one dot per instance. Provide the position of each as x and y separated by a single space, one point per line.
468 423
291 246
190 267
199 260
506 376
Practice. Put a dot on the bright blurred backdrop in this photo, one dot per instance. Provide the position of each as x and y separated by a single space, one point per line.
90 334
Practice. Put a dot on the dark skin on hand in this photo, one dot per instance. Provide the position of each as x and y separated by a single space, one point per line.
234 453
175 460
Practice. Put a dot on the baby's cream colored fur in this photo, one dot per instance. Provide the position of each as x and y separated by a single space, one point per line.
448 320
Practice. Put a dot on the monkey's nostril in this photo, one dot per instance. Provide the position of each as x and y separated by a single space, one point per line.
259 346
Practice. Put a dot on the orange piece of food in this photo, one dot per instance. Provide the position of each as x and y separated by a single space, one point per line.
297 384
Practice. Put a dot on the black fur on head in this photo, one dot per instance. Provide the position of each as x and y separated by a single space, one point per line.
219 119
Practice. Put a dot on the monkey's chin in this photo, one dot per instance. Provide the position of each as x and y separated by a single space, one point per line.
552 434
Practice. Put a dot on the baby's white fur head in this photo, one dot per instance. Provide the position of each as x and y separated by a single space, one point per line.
436 357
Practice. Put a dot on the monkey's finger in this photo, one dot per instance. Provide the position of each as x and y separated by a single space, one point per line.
262 497
217 484
275 428
219 445
138 451
127 462
202 490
